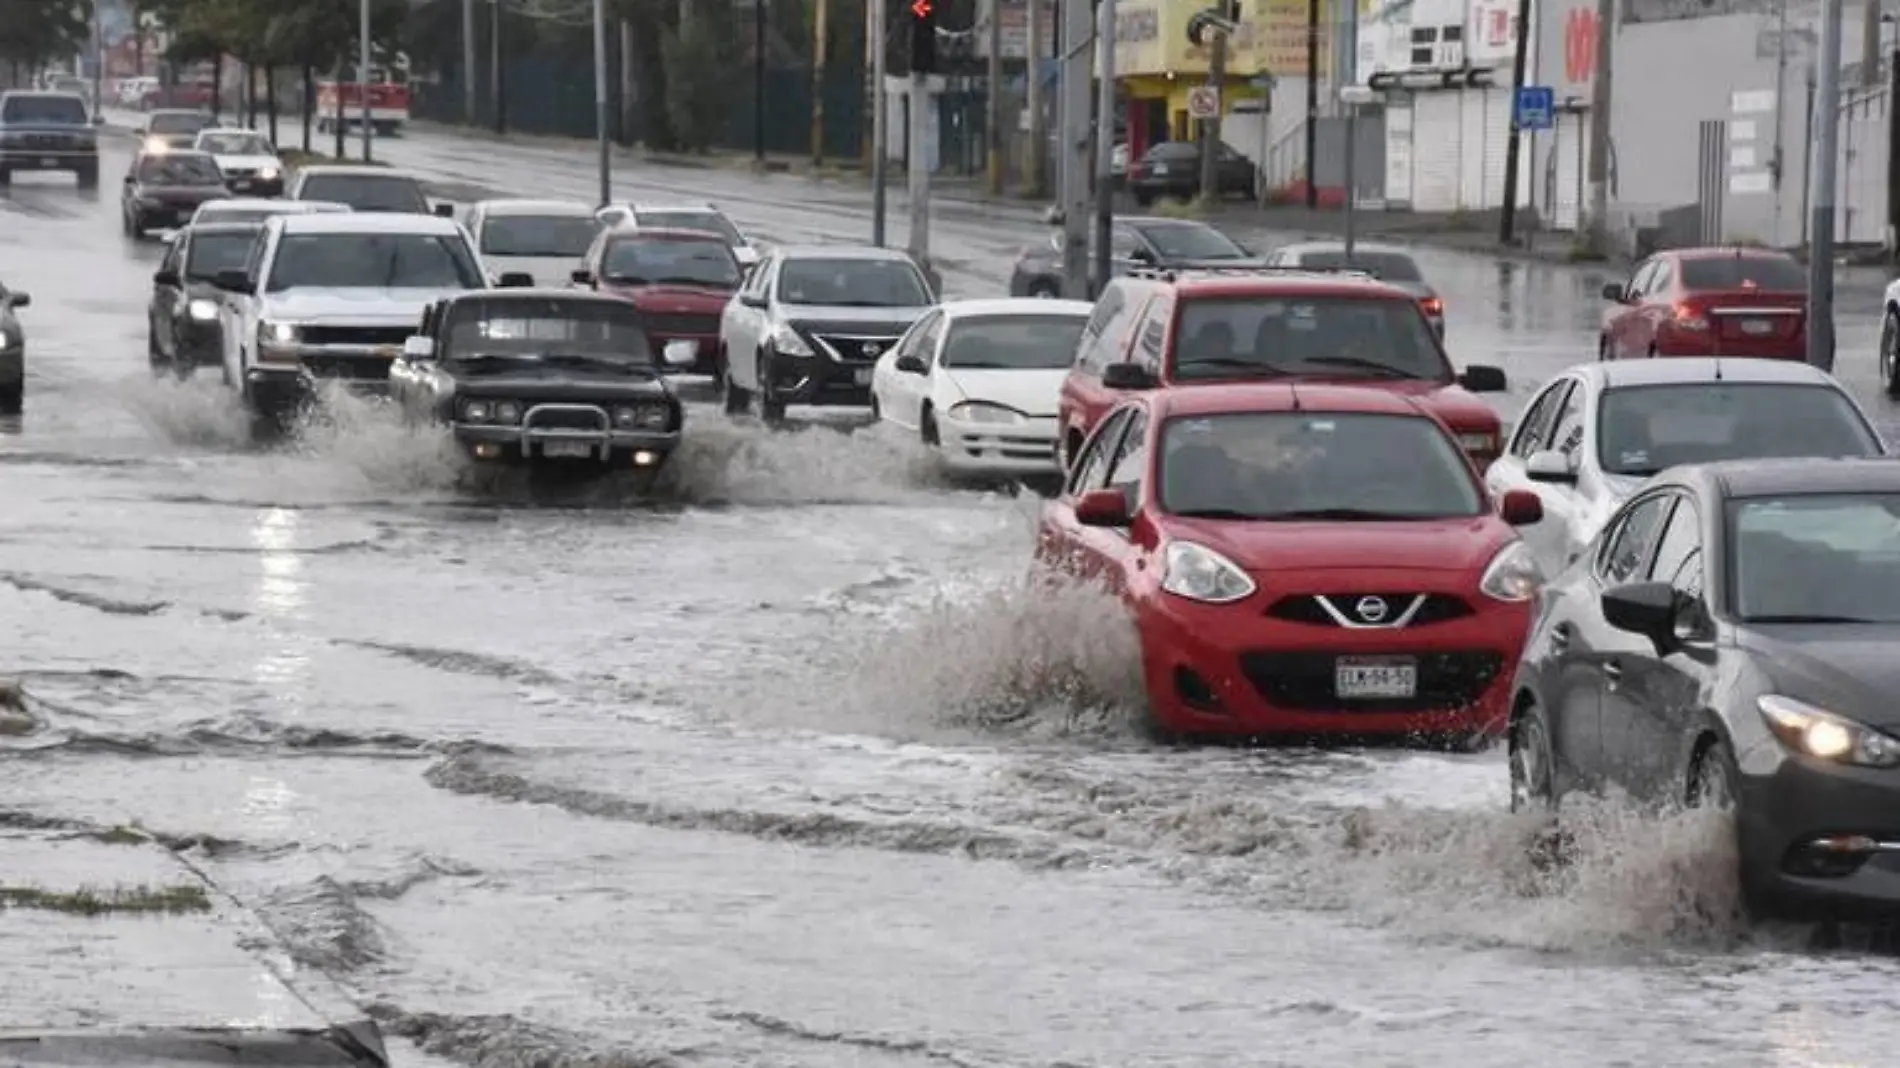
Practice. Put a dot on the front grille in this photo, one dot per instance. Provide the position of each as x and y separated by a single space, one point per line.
1304 681
858 349
568 419
1306 608
240 172
678 324
348 368
356 335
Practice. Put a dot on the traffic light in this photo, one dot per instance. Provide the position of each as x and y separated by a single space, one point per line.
923 36
1229 10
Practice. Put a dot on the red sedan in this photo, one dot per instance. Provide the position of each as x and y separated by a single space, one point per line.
1301 560
1708 302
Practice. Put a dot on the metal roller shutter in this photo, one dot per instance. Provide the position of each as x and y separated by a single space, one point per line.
1436 129
1398 156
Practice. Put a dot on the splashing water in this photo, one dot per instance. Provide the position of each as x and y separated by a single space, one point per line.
369 438
722 461
198 413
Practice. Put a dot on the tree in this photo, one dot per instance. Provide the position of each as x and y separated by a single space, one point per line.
33 33
699 59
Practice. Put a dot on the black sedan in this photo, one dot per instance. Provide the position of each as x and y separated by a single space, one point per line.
1135 241
1728 641
1173 169
163 189
541 375
12 351
182 327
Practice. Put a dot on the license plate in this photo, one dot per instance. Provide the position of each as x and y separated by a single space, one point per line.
241 183
1161 168
863 375
1757 326
1360 677
49 161
559 449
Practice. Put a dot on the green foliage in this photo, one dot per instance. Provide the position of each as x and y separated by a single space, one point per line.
34 32
291 33
699 59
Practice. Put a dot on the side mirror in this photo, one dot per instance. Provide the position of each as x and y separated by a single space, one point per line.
1651 609
1141 255
1102 508
582 276
417 347
910 364
1521 508
165 278
752 300
19 300
1480 378
1549 465
445 211
1614 293
233 281
515 280
1127 376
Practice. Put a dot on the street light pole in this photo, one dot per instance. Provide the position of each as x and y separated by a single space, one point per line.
758 80
601 117
880 119
1827 116
1353 97
362 72
1104 144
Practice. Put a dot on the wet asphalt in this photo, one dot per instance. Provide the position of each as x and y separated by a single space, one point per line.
781 767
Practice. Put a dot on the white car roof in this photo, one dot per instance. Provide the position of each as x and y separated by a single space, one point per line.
361 170
1682 370
1007 306
662 209
275 207
369 222
562 208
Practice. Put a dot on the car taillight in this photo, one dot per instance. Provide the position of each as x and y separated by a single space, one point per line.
1687 316
1432 306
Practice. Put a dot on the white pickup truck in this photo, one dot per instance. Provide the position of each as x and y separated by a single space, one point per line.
332 297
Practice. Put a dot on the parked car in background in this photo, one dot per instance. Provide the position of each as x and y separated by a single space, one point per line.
1393 266
165 188
1135 241
680 280
1729 643
544 239
704 218
1594 434
247 158
173 128
42 131
1708 302
365 188
1172 169
979 382
12 350
1301 560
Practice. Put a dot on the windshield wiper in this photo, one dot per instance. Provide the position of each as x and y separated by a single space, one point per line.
582 359
861 304
1384 370
1350 514
690 282
1233 361
1215 513
1809 619
627 280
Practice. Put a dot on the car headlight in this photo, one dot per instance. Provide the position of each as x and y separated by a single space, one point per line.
1818 733
786 341
1484 443
642 417
268 174
6 340
507 412
477 411
157 144
1512 575
1198 573
276 333
985 412
202 310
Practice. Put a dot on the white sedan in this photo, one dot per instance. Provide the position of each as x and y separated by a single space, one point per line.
978 381
1595 433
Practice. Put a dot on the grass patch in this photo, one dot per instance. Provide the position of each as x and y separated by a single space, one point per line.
1170 208
87 901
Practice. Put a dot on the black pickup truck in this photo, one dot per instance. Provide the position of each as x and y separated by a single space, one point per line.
42 131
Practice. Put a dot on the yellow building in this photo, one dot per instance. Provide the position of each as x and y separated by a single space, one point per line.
1156 66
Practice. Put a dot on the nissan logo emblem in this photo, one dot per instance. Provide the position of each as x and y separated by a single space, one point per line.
1370 609
873 348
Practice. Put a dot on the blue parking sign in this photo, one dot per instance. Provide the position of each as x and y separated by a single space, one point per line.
1536 107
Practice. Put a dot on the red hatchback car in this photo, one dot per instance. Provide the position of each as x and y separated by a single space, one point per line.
1301 560
1207 326
679 279
1708 302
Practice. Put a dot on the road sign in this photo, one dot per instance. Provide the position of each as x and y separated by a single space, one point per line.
1203 102
1536 107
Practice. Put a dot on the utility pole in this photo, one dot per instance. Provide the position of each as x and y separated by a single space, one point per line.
1032 68
1827 111
1210 128
1601 96
994 152
758 80
362 71
336 80
496 88
98 62
1104 141
1078 23
820 27
880 118
1514 148
923 64
1869 43
1312 102
468 62
1893 161
603 118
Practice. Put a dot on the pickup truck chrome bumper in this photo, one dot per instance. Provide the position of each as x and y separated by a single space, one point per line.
565 431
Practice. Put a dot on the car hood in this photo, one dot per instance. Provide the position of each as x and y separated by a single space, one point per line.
1849 669
247 163
896 320
556 271
1424 545
1460 409
1031 392
184 194
355 305
673 300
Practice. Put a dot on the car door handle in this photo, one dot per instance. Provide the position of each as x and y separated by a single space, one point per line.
1613 671
1560 637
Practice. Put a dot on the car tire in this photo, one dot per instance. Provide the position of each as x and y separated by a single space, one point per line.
733 397
771 407
1890 353
927 428
13 398
1533 761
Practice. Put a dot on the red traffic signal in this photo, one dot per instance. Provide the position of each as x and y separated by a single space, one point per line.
921 9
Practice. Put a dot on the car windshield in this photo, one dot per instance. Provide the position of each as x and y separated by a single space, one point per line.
1015 342
1643 429
1190 242
178 123
220 251
671 261
551 236
180 170
704 222
235 215
1386 266
234 143
367 192
1832 558
1303 465
61 110
1778 273
374 260
852 283
1235 337
538 326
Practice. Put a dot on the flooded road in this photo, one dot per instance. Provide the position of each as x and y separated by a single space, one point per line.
784 768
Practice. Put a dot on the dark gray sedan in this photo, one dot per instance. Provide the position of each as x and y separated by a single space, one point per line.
12 351
1138 241
1728 641
1173 169
1393 266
